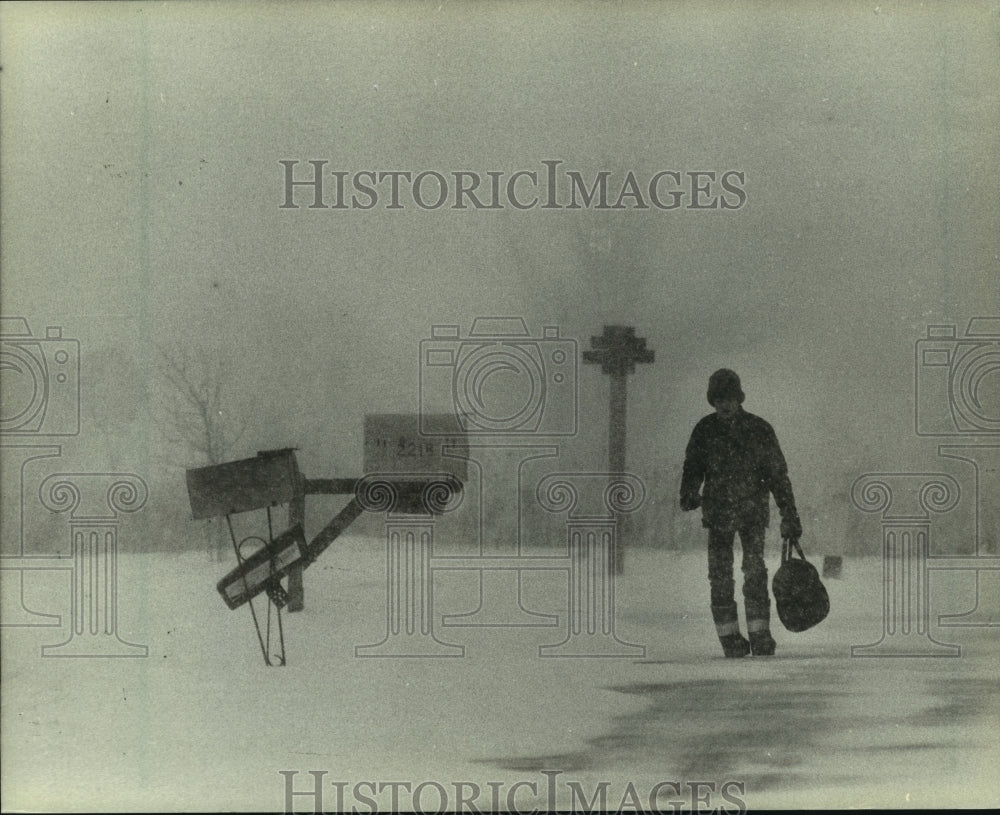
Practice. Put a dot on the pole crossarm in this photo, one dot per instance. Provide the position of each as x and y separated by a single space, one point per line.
618 350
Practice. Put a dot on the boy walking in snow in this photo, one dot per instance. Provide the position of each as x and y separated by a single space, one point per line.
732 465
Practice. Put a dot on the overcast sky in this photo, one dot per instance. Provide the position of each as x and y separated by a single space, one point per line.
142 188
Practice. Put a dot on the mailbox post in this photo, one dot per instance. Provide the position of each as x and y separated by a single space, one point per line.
297 515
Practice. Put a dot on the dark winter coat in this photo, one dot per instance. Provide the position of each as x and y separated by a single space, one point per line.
740 464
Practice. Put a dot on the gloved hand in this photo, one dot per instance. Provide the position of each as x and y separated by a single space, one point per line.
791 526
691 501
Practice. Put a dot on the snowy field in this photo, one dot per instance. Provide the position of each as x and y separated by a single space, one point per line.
202 724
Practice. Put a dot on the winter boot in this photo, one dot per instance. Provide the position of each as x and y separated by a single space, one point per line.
727 626
735 646
762 643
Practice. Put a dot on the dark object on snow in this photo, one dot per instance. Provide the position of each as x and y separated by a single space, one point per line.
799 594
762 643
735 646
832 566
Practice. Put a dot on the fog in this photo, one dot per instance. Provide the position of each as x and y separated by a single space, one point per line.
803 192
142 210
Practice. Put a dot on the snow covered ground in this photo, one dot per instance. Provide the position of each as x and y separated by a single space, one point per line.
202 723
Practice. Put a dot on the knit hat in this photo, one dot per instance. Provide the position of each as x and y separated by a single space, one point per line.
724 383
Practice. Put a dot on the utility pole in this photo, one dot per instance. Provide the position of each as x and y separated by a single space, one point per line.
617 350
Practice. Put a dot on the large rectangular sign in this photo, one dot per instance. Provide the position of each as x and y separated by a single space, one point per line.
394 444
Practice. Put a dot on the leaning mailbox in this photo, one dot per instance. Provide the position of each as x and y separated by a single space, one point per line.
406 473
268 479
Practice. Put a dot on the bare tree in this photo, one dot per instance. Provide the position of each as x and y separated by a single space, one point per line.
201 424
